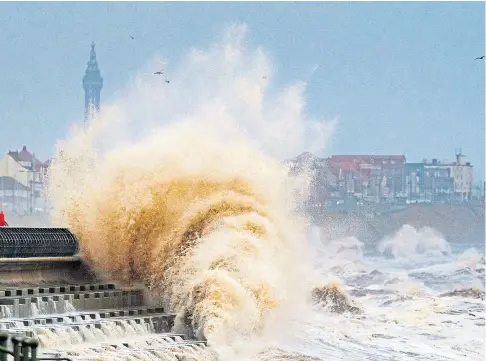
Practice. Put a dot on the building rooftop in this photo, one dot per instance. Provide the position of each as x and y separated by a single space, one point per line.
355 162
25 156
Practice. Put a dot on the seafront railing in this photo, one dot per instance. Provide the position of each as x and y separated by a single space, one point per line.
24 349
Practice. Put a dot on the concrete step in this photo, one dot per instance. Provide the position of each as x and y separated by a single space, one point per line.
79 317
68 289
162 346
96 330
29 330
14 307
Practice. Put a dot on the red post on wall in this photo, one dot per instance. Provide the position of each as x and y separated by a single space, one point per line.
2 219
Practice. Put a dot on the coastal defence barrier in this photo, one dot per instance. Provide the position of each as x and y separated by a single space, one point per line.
50 301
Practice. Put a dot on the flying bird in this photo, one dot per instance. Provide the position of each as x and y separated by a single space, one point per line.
264 77
479 58
167 81
159 72
132 37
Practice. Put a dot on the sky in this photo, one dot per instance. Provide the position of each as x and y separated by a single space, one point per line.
399 78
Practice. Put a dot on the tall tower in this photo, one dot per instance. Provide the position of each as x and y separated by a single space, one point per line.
92 84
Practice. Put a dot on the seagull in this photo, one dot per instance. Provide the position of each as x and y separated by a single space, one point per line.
479 58
132 37
159 72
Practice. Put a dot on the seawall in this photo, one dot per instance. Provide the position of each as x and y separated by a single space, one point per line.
458 223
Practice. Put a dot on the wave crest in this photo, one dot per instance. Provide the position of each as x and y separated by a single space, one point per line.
409 242
218 244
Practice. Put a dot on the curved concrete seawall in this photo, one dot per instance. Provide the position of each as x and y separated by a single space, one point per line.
458 223
44 270
75 313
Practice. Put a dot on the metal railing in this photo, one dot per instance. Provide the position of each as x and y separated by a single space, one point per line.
24 349
25 242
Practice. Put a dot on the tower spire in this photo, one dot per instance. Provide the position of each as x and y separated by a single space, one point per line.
92 84
92 55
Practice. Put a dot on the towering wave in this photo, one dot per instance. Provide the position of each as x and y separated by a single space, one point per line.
207 226
198 210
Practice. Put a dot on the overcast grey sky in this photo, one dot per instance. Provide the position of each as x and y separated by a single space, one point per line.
400 77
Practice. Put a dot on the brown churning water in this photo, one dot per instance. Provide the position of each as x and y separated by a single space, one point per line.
209 228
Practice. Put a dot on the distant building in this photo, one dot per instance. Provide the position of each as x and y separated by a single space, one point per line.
478 191
373 178
21 172
440 181
463 174
351 180
14 196
92 85
415 181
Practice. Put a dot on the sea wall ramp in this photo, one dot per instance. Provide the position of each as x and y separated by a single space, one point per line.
51 298
91 321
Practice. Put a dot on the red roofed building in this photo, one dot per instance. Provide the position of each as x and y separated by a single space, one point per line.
27 160
353 161
371 177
